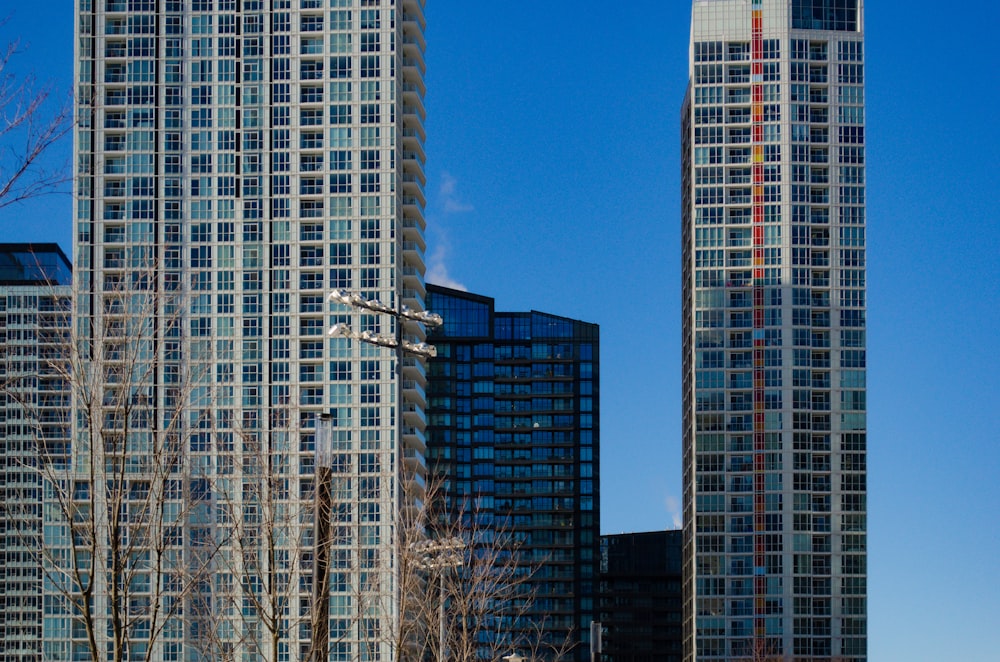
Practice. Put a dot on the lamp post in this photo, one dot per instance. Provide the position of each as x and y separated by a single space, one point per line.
401 314
401 346
514 657
322 542
440 555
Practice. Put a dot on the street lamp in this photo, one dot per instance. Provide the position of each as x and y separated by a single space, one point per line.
440 555
322 540
401 346
357 301
514 657
345 331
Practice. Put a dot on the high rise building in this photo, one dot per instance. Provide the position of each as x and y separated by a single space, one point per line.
774 331
641 597
34 428
235 161
514 434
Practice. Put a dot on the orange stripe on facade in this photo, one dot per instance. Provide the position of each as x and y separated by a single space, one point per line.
759 400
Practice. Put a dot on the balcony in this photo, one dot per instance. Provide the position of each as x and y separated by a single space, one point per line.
413 222
413 128
413 279
414 368
738 95
416 484
413 29
413 459
413 391
413 415
414 440
413 255
413 95
413 72
414 299
115 49
413 55
414 187
414 11
413 165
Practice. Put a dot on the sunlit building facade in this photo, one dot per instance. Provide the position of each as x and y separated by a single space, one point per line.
34 429
514 434
774 331
235 161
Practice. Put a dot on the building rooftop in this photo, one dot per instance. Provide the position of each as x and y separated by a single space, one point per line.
34 264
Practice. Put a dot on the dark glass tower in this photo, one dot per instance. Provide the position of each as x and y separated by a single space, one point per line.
513 427
641 597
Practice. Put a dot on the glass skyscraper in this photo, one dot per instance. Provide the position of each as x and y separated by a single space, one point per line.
514 436
235 161
774 332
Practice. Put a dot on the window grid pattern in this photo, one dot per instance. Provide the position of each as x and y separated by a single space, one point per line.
513 433
34 429
774 310
240 159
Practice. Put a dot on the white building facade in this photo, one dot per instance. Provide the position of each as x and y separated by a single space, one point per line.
236 160
774 332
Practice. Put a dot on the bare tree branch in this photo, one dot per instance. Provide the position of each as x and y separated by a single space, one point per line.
129 539
28 129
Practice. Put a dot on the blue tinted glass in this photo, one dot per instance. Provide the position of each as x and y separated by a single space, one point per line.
840 15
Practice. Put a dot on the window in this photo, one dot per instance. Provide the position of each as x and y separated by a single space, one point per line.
340 114
838 15
852 73
370 42
708 51
312 23
850 51
311 94
708 74
340 20
310 70
370 114
370 19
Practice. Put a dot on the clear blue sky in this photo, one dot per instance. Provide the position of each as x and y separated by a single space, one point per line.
553 184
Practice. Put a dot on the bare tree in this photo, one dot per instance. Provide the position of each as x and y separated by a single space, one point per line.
269 545
29 127
474 587
129 535
169 523
762 649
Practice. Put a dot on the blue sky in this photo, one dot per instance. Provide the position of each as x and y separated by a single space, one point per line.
553 184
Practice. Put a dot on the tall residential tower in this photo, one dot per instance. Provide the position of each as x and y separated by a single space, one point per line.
235 161
774 331
34 429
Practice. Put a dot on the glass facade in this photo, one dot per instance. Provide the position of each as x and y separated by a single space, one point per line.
34 264
774 332
513 430
641 597
839 15
235 161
